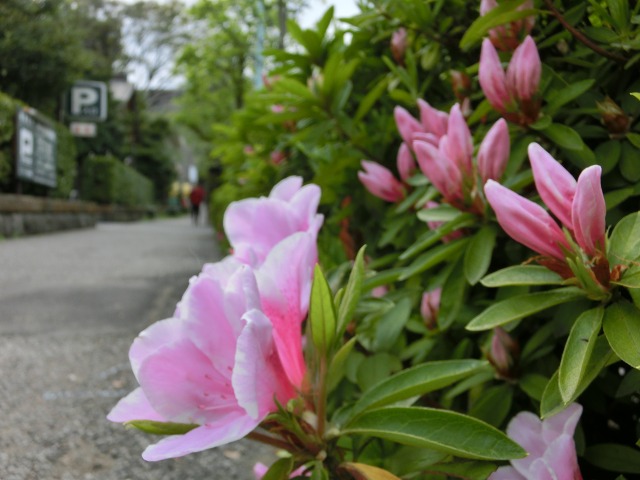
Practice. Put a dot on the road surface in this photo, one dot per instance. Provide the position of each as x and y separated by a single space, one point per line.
70 305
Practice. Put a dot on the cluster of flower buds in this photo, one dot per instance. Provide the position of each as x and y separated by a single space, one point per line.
508 36
444 151
579 207
514 93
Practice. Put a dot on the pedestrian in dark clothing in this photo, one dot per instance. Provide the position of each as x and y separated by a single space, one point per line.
195 197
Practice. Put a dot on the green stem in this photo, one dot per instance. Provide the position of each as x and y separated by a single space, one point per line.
269 440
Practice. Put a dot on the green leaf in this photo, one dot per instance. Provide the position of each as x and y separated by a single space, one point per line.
322 316
352 293
515 308
563 136
624 243
630 278
371 98
566 94
622 328
634 138
630 383
465 470
390 325
533 385
417 380
441 213
522 275
552 401
614 457
440 430
493 405
505 12
373 369
324 22
452 297
577 351
161 428
629 165
432 236
478 254
439 254
336 368
280 470
291 86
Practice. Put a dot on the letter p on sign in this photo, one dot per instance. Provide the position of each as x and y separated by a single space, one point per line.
88 101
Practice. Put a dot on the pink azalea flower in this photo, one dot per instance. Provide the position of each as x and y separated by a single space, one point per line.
550 444
407 125
399 45
458 146
223 358
255 225
381 182
523 73
434 121
440 170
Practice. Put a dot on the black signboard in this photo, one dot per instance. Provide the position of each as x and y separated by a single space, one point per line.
35 148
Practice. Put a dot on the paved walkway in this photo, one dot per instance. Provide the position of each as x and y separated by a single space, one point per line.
70 305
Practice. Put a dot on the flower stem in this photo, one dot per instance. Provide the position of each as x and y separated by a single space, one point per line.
269 440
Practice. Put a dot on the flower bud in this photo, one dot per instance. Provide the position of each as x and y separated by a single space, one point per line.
406 164
613 117
381 182
506 37
399 45
429 307
493 153
523 73
504 352
460 84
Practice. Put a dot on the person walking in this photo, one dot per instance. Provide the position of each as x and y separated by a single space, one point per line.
195 198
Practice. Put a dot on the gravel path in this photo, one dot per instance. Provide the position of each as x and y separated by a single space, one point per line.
70 306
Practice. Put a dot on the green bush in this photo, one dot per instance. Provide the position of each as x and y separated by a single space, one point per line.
107 180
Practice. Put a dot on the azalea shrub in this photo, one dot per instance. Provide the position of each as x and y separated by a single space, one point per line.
453 289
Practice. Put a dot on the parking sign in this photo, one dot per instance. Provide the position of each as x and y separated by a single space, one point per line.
88 101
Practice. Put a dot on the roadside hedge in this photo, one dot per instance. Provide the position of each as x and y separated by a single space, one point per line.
107 180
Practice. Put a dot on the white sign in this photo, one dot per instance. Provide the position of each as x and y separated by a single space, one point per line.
35 148
83 129
88 101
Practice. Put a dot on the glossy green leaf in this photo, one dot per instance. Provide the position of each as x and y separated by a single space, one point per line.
630 278
614 457
624 243
629 165
515 308
533 385
372 370
352 293
567 94
564 136
493 405
478 254
369 100
552 401
577 351
452 297
622 328
390 325
161 428
465 470
439 254
279 470
433 236
522 275
417 380
322 316
441 430
630 383
337 366
441 213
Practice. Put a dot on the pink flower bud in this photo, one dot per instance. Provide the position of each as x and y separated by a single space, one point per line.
407 125
380 291
523 73
588 211
399 45
504 352
406 163
277 108
429 307
381 182
277 157
554 183
507 36
459 144
492 78
525 221
613 117
443 173
493 153
434 121
426 137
